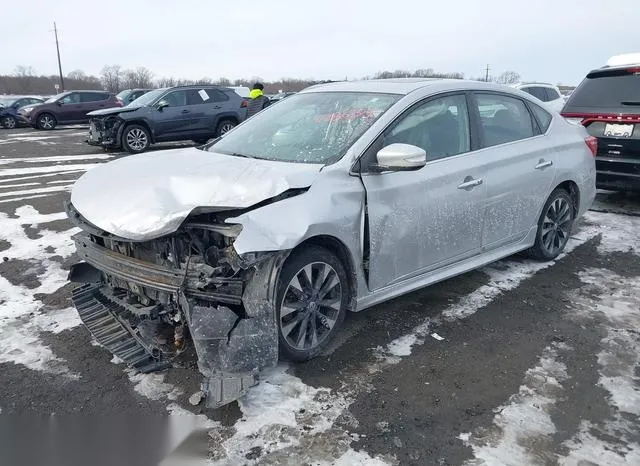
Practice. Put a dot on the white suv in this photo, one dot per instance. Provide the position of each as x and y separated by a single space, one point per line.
547 93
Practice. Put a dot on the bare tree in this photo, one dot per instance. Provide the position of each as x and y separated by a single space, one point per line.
508 77
144 77
22 71
111 77
77 74
224 82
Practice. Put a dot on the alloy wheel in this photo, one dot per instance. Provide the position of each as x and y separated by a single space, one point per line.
226 128
556 225
46 122
137 139
310 306
9 122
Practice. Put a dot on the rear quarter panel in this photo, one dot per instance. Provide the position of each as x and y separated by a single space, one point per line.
574 159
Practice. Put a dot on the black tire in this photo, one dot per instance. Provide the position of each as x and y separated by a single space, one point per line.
554 226
9 122
46 121
136 139
225 126
322 319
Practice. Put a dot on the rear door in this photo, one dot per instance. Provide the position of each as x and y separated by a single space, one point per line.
520 167
91 101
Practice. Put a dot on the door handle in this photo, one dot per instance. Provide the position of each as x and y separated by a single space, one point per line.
217 107
543 164
470 183
186 111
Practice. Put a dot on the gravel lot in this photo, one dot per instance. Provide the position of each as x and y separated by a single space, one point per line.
517 363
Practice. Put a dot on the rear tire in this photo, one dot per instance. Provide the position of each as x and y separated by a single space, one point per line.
224 127
9 122
46 121
312 300
136 139
554 226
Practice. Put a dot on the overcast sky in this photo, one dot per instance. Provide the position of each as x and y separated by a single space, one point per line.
556 41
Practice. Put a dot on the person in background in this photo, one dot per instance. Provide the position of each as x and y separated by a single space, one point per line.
257 100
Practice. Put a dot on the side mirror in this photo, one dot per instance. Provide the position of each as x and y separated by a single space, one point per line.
400 157
59 102
162 104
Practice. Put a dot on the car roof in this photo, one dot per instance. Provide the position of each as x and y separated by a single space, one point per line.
534 83
404 86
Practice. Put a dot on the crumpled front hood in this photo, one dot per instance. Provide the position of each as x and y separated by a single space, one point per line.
112 111
146 196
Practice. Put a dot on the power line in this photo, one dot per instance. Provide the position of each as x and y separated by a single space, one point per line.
55 32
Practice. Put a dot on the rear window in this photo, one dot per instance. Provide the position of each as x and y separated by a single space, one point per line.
607 90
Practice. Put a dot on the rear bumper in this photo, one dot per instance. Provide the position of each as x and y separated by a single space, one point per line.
618 174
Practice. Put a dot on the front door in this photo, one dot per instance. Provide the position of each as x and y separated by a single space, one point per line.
177 120
422 220
70 108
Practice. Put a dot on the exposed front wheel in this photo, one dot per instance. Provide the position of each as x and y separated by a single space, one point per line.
554 226
136 139
8 122
46 121
312 298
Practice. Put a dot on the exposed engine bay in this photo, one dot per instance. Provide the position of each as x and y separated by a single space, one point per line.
147 301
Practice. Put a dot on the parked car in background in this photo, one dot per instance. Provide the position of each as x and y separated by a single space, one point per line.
199 113
545 92
339 198
9 106
129 95
67 108
279 96
607 104
242 91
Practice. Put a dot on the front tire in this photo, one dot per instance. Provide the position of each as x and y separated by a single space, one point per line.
136 139
46 121
312 299
554 226
9 122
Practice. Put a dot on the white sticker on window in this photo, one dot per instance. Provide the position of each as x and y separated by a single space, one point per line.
203 94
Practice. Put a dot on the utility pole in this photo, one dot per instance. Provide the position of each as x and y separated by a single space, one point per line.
55 31
486 78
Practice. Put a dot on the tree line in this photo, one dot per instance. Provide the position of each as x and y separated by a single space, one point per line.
114 78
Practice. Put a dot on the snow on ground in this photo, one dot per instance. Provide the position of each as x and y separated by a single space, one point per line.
521 428
22 316
617 309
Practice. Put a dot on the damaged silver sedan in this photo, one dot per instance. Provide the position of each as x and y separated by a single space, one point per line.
254 246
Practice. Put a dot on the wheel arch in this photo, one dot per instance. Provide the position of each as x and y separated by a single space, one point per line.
337 247
572 188
139 122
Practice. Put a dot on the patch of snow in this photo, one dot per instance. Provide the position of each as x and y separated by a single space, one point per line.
45 175
153 386
22 317
7 186
402 346
49 169
525 420
54 158
437 337
26 198
28 192
617 309
619 232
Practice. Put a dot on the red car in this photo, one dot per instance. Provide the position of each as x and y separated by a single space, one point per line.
67 108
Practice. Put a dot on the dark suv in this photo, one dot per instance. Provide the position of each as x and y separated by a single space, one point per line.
178 113
607 103
67 108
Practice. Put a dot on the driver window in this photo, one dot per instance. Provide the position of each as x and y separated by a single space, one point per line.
71 99
439 126
176 98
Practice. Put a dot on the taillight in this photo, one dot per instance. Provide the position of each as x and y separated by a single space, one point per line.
244 104
586 118
119 102
592 144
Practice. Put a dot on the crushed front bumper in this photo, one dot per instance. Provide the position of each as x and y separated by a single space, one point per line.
232 348
104 132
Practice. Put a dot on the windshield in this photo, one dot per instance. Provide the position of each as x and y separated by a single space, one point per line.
6 101
122 95
146 99
306 128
